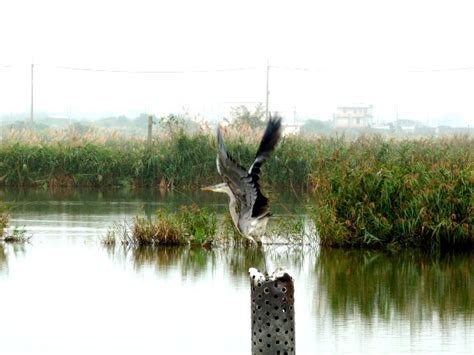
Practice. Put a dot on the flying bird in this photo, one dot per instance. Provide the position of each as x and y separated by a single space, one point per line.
248 206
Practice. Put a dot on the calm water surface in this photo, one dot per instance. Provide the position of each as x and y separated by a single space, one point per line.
65 293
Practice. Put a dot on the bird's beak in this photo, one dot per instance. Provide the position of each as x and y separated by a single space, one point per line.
207 188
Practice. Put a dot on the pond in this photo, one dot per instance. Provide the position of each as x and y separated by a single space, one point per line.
66 293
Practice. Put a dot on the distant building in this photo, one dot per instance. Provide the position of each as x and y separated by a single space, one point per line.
290 129
353 116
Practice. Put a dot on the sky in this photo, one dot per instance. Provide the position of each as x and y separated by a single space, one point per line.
411 58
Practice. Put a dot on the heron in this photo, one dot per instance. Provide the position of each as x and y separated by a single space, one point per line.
247 205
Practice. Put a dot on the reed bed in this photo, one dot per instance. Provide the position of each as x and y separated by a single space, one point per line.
175 159
189 225
365 192
390 194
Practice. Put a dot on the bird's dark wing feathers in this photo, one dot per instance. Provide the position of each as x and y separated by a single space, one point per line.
236 177
245 184
267 145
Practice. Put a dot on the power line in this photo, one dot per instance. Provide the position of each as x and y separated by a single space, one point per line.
441 70
295 69
236 69
102 70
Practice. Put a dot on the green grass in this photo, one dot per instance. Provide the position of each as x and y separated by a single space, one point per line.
179 160
390 194
367 192
189 225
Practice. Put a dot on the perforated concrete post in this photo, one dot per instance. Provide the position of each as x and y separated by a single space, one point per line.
272 313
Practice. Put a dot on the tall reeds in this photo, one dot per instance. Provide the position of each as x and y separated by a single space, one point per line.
368 192
376 193
189 225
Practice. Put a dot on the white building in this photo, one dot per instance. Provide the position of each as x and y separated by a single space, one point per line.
353 116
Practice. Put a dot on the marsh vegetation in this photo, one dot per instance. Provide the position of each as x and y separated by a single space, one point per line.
368 191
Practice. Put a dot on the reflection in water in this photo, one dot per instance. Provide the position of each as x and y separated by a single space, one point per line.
15 249
408 285
103 202
193 262
346 301
190 261
3 259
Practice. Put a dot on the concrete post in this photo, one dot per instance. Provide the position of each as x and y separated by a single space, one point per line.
272 313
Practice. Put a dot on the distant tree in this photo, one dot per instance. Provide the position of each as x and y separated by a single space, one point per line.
242 115
174 123
119 121
142 120
316 126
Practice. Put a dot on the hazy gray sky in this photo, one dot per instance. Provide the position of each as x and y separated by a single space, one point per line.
359 51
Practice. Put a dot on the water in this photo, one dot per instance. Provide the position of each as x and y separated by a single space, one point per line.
65 293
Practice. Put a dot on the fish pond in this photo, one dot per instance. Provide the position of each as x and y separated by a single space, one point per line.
65 292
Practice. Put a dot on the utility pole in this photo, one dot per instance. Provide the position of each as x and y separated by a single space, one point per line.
31 105
150 130
267 91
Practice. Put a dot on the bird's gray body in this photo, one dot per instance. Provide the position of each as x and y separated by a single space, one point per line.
247 205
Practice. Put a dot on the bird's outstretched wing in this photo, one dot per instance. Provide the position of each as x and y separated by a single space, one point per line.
244 184
267 145
237 178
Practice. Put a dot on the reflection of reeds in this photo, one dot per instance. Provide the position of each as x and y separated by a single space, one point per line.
15 235
3 257
194 261
385 285
8 248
